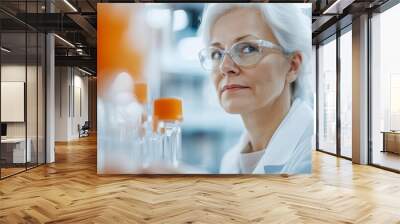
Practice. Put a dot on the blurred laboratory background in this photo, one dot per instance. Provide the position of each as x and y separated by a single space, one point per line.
207 130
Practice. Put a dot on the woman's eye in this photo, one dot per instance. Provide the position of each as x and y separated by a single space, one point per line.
248 49
216 55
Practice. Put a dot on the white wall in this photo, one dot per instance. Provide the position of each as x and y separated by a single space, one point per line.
80 105
61 103
12 73
33 127
70 84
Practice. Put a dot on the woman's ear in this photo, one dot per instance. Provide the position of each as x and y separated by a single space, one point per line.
295 61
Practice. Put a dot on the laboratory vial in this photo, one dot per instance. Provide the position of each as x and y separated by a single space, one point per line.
141 143
167 118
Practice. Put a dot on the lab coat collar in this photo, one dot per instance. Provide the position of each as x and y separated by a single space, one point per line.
288 135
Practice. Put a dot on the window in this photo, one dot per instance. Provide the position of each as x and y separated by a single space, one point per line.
327 97
346 94
385 85
23 78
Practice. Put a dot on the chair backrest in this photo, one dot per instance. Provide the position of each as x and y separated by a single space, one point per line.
86 124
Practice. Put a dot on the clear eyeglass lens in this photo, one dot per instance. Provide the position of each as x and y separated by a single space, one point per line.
211 58
246 54
243 54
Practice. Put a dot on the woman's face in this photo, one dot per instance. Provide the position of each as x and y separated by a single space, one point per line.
245 89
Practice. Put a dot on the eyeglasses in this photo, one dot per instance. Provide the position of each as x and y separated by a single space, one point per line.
244 54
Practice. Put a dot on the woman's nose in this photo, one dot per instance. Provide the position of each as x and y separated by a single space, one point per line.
228 66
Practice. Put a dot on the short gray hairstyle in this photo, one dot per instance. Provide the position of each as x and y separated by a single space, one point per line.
289 23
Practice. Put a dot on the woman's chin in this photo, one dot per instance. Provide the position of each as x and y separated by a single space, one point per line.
235 106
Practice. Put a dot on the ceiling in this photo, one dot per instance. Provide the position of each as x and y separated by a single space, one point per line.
76 22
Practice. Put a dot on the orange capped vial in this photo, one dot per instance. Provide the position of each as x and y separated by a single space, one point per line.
167 117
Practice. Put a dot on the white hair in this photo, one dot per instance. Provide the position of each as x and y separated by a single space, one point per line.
291 27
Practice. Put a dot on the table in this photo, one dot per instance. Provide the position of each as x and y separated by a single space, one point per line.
391 141
15 148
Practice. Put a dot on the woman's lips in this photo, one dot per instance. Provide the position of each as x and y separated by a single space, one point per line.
233 87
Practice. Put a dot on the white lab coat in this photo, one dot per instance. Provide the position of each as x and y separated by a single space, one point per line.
288 151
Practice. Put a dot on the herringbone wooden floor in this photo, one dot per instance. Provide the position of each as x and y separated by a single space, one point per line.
70 191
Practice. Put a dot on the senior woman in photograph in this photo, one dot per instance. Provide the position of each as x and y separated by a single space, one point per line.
258 56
